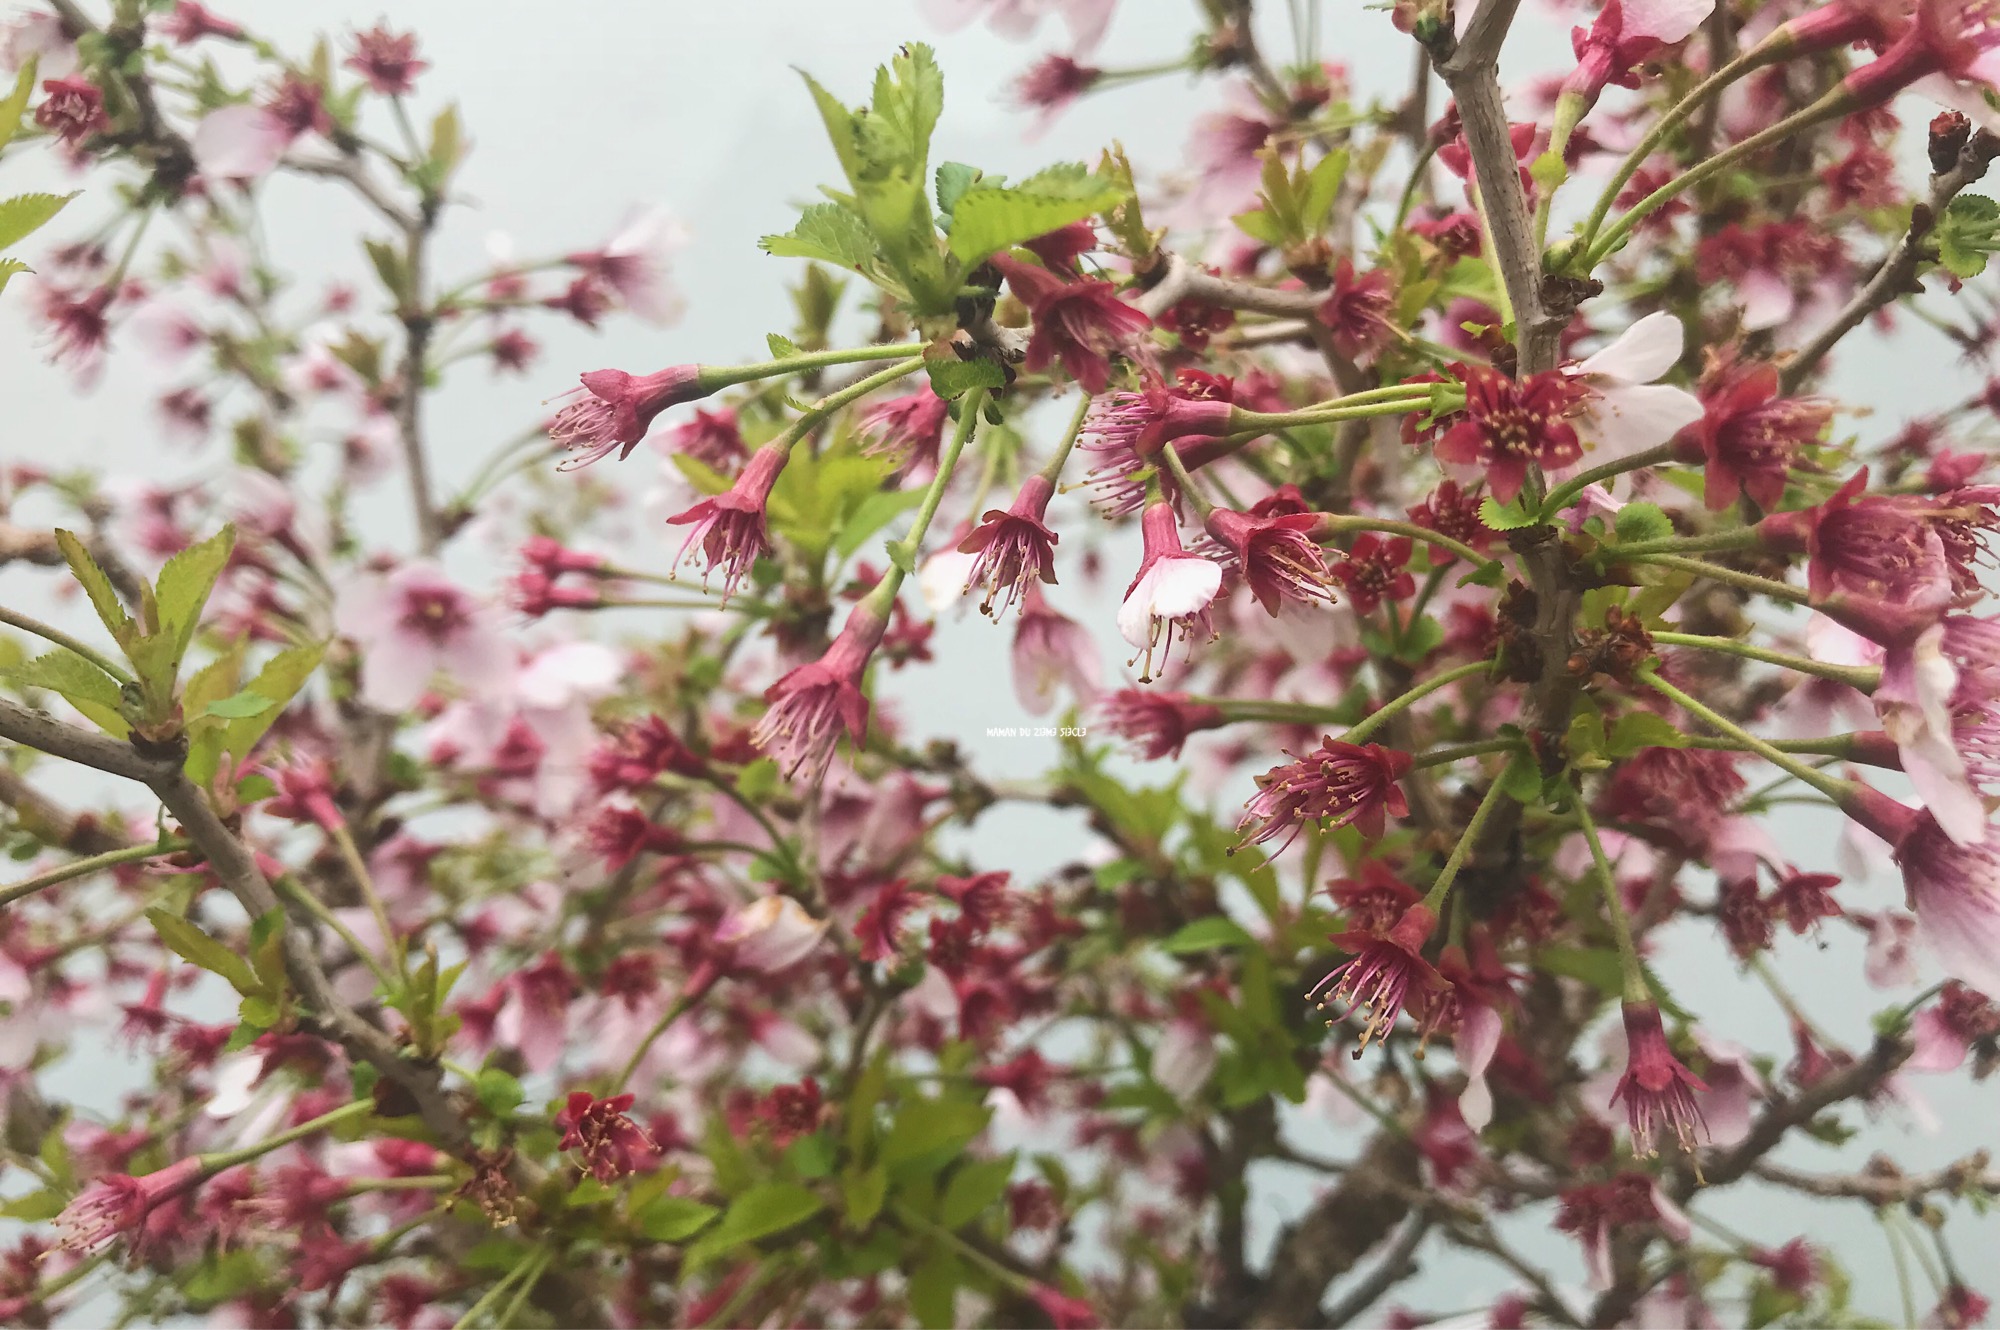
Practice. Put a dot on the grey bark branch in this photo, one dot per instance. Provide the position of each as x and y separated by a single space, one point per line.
1346 1224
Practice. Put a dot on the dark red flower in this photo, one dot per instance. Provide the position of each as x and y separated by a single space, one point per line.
1748 434
614 409
1509 425
1014 546
1658 1091
1376 570
1277 555
387 60
1356 310
1451 511
879 927
1063 1311
120 1204
612 1144
72 108
1806 898
1081 323
1335 784
907 428
1157 724
792 1111
190 22
711 438
1388 973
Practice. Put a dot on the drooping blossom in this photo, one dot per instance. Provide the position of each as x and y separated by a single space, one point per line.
1357 310
1509 425
387 61
610 1143
1945 1031
613 410
116 1205
812 704
1049 86
1013 546
1748 435
1126 430
415 622
729 527
1079 322
72 108
1593 1211
879 928
636 264
1277 555
1873 563
1657 1089
1064 1312
1169 594
1626 34
1387 974
1952 888
1157 723
1375 570
771 934
906 428
1333 785
78 326
1018 19
709 437
1052 651
190 22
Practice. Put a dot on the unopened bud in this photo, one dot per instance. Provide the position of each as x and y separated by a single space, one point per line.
1949 132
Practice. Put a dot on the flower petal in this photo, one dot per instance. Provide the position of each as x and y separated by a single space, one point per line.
1642 353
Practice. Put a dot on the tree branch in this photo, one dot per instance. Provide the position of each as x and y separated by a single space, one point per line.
1345 1225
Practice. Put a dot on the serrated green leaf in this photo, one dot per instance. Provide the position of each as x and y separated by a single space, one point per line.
1596 966
953 179
1966 234
874 512
24 214
87 688
988 219
1322 187
828 232
952 378
199 949
765 1209
781 348
1642 521
1259 226
239 706
972 1189
895 134
1642 729
862 1192
925 1125
674 1218
185 584
8 267
280 680
261 1012
1206 935
1509 518
103 599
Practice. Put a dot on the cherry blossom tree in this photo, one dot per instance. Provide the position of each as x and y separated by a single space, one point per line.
1504 552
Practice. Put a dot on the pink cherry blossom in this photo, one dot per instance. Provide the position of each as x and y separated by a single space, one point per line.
414 622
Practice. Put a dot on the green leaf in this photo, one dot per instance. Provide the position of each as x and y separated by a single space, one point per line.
1260 226
497 1092
1423 636
1642 521
199 949
185 584
1642 729
24 214
1322 188
895 133
862 1191
811 1157
989 219
36 1207
781 348
448 145
390 268
280 680
110 610
1522 780
8 267
260 1012
829 232
14 107
239 706
1510 518
701 475
1596 966
674 1218
874 512
1966 234
840 129
87 688
934 1290
769 1207
974 1187
922 1126
953 179
1206 935
952 378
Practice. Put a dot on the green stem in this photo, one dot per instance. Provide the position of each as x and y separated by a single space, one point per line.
1748 62
832 402
1742 538
216 1163
357 868
1243 423
725 376
1728 576
1053 471
1250 709
1836 790
316 907
1415 183
911 545
1863 677
1340 523
16 619
1838 746
1636 989
1487 803
85 867
667 1018
1450 753
1833 104
1566 493
1178 469
537 1264
1396 706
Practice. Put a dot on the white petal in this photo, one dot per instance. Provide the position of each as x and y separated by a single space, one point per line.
1135 616
1642 353
1668 20
1184 586
1631 417
238 142
1767 301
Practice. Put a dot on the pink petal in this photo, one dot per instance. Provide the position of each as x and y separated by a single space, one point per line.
1668 20
1767 301
240 142
1938 1049
1478 1038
